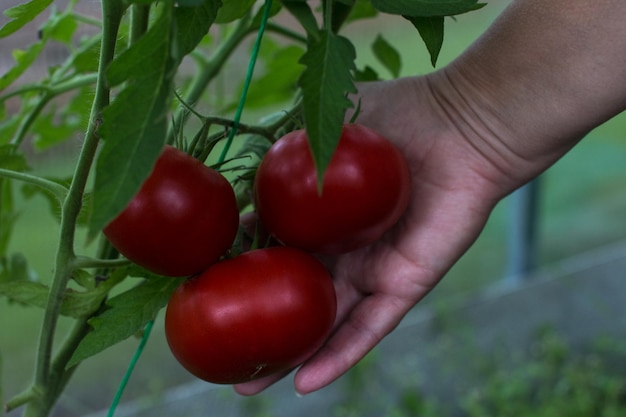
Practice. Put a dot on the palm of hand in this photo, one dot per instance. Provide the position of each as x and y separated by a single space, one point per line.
377 285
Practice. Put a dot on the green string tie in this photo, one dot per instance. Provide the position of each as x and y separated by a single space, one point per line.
231 135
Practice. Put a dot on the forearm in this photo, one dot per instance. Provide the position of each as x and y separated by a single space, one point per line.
542 76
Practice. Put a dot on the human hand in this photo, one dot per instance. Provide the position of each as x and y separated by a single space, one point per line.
452 196
516 101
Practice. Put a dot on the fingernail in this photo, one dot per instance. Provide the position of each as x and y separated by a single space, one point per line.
299 395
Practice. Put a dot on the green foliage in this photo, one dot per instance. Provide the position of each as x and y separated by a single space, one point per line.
552 380
134 126
325 82
387 55
77 304
125 314
547 378
426 8
22 14
430 29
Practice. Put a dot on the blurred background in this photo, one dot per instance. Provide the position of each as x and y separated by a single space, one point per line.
487 341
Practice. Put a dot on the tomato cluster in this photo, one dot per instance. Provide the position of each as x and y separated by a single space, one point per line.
266 310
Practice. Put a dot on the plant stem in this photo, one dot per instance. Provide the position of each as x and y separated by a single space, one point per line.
62 357
210 69
140 14
286 32
81 262
53 90
20 134
54 188
46 380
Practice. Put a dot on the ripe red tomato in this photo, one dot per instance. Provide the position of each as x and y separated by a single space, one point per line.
182 220
366 189
244 318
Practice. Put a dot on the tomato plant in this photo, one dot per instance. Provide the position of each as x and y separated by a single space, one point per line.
262 312
125 78
365 190
183 219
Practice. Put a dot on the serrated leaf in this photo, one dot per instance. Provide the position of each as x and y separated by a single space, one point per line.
366 74
30 190
22 14
387 55
426 8
135 125
76 304
326 82
23 61
127 314
232 10
192 24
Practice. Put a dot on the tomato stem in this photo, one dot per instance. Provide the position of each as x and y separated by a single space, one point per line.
86 262
210 68
49 378
56 189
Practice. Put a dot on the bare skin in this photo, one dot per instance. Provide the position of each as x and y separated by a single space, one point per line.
525 93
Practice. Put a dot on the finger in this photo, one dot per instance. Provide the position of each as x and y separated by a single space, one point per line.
258 385
370 321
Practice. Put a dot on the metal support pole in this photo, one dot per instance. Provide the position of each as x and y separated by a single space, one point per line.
522 244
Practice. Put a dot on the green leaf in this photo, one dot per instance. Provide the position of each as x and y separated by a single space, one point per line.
14 269
192 24
366 74
431 32
256 145
325 83
60 27
127 314
274 10
23 61
49 129
189 3
8 217
8 127
75 304
303 14
387 55
361 10
21 15
232 10
11 158
30 190
426 8
135 125
86 58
